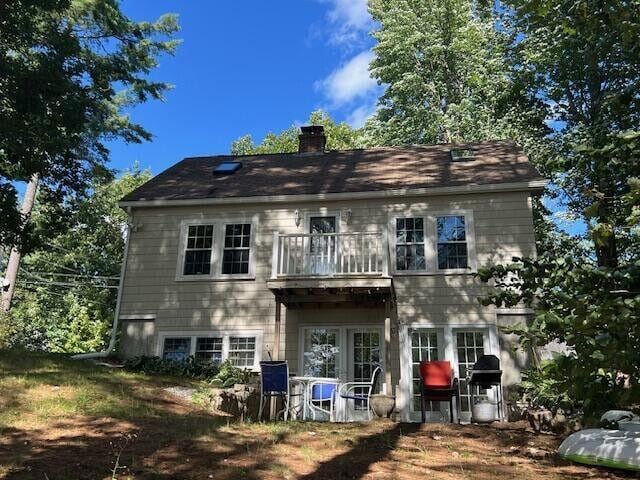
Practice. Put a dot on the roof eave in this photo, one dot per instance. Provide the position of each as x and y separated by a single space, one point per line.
532 186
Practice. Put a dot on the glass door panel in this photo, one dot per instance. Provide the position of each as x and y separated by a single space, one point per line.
321 356
322 247
470 345
426 345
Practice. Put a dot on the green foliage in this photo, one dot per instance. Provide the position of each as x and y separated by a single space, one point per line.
229 375
60 306
447 74
340 136
594 310
581 57
190 368
542 388
69 71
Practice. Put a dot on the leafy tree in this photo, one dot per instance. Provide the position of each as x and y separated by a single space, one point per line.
68 71
62 304
581 58
340 136
447 74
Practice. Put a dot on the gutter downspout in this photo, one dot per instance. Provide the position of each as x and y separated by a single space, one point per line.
114 328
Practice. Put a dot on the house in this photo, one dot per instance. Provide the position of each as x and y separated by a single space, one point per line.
332 260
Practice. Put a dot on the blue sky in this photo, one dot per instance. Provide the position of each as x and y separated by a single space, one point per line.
251 66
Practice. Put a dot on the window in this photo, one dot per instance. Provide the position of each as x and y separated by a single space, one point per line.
452 242
242 351
209 348
226 168
197 255
235 257
462 154
242 348
177 348
410 244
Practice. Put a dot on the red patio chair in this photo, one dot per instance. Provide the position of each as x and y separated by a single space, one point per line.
438 385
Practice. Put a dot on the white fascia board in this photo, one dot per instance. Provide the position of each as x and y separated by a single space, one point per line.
408 192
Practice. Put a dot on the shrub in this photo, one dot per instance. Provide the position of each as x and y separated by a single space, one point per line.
229 375
191 367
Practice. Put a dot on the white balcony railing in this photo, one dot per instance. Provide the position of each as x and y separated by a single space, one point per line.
329 254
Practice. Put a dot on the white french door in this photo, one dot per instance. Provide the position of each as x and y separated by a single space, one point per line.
321 245
470 345
461 345
426 345
348 353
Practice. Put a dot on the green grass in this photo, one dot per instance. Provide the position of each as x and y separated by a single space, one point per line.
38 388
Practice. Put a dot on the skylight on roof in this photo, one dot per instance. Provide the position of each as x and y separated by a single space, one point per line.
461 154
227 168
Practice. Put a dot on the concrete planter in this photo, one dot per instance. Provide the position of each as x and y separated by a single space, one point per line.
382 405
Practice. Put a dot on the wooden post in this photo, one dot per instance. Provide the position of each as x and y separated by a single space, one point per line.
276 330
387 348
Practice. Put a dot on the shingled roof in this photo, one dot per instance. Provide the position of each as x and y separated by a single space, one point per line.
344 171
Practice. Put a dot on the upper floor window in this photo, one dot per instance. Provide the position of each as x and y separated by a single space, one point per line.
209 249
410 246
235 257
452 242
197 255
434 243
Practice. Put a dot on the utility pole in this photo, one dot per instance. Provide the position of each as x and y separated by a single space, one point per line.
11 275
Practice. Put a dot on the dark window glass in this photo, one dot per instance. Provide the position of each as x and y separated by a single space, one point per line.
235 255
410 244
197 255
209 348
452 242
177 349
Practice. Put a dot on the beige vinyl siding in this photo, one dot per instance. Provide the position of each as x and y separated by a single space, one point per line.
503 228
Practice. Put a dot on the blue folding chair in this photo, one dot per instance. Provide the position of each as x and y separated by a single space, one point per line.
274 383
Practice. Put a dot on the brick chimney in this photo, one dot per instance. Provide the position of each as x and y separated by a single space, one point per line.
312 139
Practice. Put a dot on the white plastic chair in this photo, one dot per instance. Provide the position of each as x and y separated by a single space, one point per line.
318 393
350 392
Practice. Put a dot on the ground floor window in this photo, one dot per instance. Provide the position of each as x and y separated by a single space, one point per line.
242 351
209 348
177 348
240 348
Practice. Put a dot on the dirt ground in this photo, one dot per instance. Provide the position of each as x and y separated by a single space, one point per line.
186 442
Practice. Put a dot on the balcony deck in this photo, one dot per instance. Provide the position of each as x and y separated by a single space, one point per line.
330 269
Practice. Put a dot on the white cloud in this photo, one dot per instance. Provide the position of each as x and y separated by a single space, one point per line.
350 18
350 81
361 114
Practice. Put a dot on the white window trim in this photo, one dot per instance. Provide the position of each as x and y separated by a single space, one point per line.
225 334
431 242
219 224
344 371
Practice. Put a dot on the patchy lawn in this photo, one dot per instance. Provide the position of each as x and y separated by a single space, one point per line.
63 419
